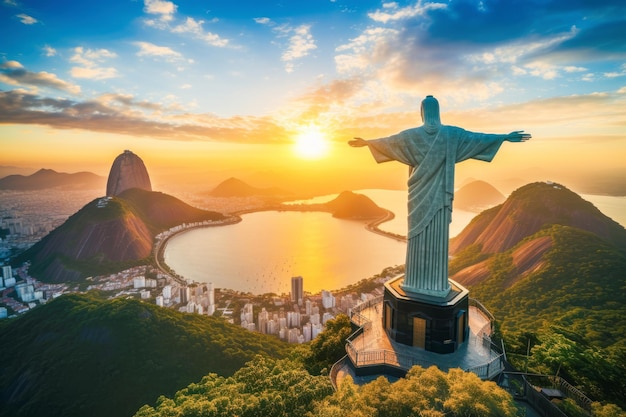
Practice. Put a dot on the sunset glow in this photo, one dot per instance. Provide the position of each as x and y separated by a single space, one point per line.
311 143
203 94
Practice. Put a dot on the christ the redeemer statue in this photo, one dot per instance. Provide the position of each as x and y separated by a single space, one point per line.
431 151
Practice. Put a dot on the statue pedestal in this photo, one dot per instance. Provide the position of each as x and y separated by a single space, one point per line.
435 324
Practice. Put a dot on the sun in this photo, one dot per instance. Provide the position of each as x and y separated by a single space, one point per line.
311 143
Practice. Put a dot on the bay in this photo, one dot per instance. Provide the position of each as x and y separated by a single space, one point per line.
262 253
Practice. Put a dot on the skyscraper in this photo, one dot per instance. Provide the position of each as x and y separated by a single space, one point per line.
297 290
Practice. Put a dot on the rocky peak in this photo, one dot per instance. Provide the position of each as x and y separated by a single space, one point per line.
128 171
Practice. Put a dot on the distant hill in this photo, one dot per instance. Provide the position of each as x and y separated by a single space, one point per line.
79 356
233 187
108 234
48 178
349 205
476 196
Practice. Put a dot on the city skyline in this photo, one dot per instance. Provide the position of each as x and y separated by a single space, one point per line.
198 89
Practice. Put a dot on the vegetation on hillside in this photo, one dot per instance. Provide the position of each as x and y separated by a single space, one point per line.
293 387
569 312
81 355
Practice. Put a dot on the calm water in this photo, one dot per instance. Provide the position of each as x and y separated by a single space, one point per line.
262 253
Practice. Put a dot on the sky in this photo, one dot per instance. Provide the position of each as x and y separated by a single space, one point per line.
273 90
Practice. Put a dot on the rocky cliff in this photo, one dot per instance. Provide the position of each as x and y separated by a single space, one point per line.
128 171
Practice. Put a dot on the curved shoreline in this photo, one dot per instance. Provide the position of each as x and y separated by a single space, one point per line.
161 241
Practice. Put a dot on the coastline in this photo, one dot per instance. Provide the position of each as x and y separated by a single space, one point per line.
161 240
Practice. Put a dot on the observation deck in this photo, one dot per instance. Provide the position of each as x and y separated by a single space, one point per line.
372 353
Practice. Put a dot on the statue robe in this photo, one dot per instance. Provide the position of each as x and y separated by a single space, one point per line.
431 156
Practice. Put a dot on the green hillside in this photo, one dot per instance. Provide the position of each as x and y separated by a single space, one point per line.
83 356
569 307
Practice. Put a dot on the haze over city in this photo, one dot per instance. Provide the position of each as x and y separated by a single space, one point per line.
203 91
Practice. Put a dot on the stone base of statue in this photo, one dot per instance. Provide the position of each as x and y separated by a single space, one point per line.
433 323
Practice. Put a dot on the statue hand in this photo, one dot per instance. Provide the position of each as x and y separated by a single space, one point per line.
357 143
518 136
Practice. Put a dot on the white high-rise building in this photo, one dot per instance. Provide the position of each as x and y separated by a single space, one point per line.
272 327
282 323
139 282
263 319
293 319
328 300
247 313
25 292
211 294
7 272
159 300
210 309
307 331
167 292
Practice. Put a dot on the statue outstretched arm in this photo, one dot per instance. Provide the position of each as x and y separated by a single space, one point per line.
357 143
518 136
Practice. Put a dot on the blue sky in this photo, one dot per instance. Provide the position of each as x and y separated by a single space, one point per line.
238 72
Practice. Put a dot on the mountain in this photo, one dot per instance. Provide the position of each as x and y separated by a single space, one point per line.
551 268
128 171
477 196
48 178
108 234
349 205
530 208
233 187
80 355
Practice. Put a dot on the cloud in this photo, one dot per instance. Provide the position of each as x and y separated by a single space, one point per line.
300 43
26 19
49 51
164 9
392 12
263 20
88 61
121 114
469 50
13 73
195 28
150 49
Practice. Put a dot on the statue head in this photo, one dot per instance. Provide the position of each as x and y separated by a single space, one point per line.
430 113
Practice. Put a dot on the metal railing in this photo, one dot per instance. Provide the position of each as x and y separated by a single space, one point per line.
489 326
334 370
